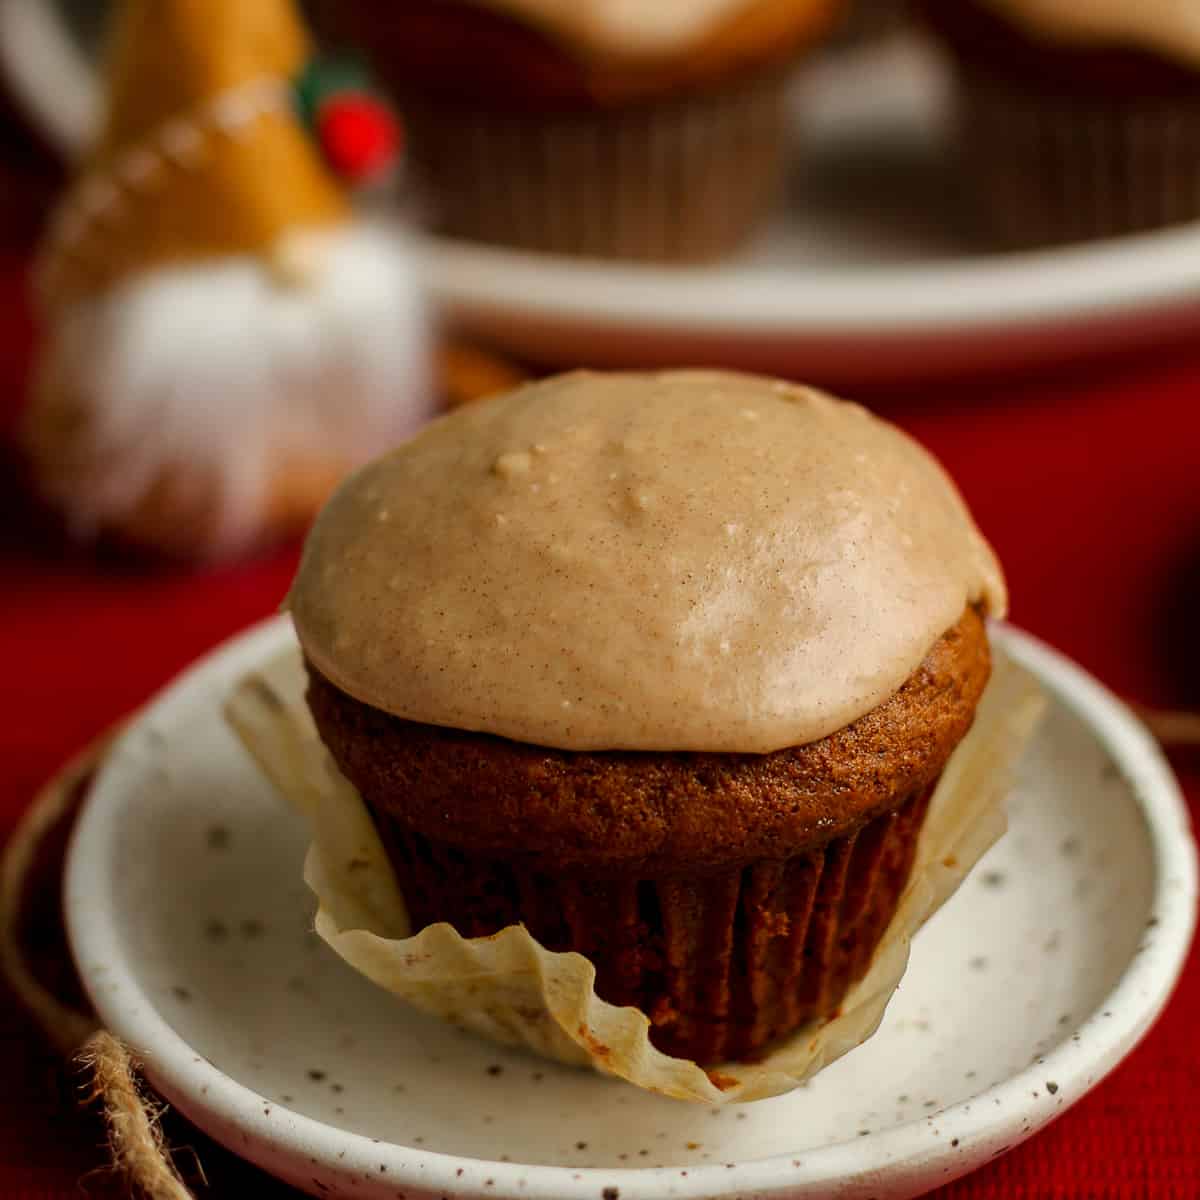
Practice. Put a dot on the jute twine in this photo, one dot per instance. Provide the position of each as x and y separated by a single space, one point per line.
1174 730
132 1117
112 1080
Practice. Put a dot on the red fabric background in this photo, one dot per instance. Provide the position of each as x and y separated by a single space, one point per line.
1087 482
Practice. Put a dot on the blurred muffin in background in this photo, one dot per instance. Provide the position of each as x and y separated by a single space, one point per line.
1080 118
593 127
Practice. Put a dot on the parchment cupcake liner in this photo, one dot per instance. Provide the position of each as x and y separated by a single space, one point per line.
680 180
1050 169
511 988
724 963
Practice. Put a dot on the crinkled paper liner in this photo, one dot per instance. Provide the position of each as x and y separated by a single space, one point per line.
508 988
683 179
1049 169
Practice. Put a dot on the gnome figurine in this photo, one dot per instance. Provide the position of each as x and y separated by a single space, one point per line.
225 335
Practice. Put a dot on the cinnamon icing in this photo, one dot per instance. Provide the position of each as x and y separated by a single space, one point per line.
683 560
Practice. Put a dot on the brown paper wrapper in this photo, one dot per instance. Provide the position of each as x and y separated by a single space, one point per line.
511 988
1050 169
723 963
681 180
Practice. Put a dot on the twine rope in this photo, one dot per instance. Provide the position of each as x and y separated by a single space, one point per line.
1172 728
66 1028
133 1121
135 1137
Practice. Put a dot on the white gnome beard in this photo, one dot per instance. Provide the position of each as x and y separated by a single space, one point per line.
197 383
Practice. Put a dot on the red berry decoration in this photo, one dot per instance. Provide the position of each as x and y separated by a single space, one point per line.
359 135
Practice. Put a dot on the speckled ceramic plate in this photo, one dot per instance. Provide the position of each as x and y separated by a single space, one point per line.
191 927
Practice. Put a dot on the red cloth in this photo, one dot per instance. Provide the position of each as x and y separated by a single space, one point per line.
1086 481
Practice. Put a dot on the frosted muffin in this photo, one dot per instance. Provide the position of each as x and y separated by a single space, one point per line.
1080 118
594 127
663 666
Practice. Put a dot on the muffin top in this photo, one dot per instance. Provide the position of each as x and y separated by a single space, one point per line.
632 812
1167 27
522 53
684 560
636 29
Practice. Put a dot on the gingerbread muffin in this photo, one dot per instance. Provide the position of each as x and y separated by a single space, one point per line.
593 127
1079 119
665 667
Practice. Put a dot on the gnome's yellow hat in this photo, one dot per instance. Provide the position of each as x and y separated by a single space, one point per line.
201 154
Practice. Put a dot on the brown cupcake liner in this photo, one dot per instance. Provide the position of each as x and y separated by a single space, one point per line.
724 964
1048 169
680 180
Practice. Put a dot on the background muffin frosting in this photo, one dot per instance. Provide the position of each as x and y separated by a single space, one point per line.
1169 27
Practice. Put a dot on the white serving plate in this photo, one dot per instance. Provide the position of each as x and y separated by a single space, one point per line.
192 931
865 273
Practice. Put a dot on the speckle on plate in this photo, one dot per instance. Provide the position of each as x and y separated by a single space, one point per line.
218 838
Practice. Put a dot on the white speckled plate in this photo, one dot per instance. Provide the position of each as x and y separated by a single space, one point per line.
191 927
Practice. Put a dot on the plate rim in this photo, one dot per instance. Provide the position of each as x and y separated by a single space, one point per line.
1109 278
285 1137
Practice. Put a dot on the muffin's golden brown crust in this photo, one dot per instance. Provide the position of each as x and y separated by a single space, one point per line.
623 813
